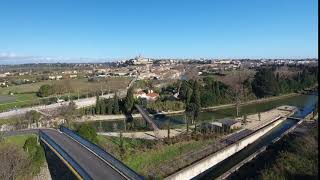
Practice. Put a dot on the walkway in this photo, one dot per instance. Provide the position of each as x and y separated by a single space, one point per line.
150 135
147 118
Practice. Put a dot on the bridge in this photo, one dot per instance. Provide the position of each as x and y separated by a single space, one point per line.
85 160
147 118
295 118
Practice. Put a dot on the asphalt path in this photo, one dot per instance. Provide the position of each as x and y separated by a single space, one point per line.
21 132
79 103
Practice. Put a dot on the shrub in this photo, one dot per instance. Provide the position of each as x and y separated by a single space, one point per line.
88 132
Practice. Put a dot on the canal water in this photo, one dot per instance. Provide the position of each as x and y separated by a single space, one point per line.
306 105
303 102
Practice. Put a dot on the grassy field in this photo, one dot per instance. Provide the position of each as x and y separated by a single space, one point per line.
25 95
18 140
20 100
81 85
143 155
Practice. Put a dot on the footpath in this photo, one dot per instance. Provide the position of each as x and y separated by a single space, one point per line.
121 116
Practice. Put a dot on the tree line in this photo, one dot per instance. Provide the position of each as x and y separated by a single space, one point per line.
268 83
113 105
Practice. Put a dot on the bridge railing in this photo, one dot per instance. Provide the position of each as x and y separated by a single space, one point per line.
112 161
65 155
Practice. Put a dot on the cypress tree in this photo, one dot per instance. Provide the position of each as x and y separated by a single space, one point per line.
102 107
109 105
116 104
97 105
129 101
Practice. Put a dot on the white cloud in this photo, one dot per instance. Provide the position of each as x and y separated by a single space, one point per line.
8 54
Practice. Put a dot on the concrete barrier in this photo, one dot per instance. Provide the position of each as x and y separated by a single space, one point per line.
208 162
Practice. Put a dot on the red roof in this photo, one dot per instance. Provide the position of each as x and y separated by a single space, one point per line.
153 95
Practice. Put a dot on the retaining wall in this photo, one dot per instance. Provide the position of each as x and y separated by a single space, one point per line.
208 162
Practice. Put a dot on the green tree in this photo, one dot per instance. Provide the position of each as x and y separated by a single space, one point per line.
129 101
116 108
36 154
102 107
98 110
110 107
188 95
264 83
44 90
33 117
88 132
30 145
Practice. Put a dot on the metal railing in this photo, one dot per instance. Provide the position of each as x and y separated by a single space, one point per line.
111 160
65 155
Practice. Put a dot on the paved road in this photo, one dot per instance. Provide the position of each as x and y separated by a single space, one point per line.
93 165
79 103
21 132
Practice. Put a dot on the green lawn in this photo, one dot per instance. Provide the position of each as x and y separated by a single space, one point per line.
25 95
18 140
24 88
143 158
21 100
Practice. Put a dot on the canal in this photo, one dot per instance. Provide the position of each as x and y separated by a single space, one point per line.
305 103
177 120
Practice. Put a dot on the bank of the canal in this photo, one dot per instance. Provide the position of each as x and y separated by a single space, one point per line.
305 103
177 120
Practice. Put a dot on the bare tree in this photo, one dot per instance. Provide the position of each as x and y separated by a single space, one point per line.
14 162
68 112
237 91
101 90
33 117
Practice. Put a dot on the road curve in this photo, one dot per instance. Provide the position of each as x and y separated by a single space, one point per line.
93 165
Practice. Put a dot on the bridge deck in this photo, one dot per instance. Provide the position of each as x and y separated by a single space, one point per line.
93 165
147 118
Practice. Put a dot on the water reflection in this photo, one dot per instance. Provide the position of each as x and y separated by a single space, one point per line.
304 102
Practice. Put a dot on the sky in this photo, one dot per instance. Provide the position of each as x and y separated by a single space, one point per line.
159 28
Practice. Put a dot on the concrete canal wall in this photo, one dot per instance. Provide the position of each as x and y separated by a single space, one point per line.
236 167
208 162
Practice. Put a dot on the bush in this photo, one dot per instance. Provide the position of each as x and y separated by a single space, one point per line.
88 132
36 154
30 145
45 90
38 159
166 105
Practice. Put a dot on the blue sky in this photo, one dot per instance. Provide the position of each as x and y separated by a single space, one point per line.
159 28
